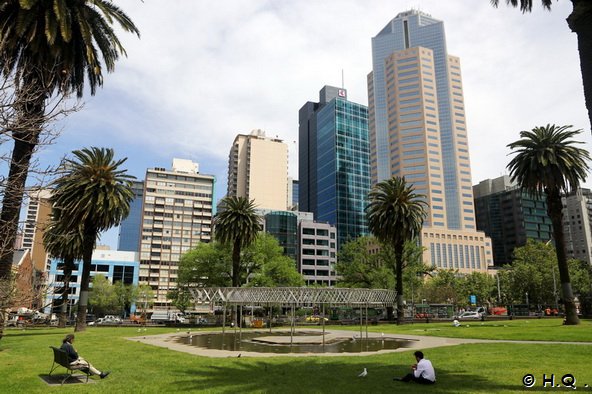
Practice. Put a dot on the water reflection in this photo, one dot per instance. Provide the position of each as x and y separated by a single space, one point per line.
245 342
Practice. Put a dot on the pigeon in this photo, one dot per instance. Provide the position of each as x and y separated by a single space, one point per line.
238 355
363 373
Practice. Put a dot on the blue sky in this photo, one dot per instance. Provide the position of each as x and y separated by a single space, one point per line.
205 71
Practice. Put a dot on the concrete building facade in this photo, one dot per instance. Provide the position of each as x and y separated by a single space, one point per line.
317 253
38 216
177 215
577 222
258 170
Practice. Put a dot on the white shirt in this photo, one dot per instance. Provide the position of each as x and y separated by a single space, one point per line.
425 369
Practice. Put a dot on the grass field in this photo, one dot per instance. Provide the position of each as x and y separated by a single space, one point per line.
473 368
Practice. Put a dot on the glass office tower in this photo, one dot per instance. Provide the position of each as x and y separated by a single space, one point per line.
335 173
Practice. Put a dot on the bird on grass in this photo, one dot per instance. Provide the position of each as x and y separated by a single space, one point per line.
238 355
363 373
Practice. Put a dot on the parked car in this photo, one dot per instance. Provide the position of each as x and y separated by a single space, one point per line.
469 316
111 319
96 322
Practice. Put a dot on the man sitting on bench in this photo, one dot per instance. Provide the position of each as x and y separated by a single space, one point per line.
77 362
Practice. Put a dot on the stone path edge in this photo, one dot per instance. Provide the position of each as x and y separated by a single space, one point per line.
417 342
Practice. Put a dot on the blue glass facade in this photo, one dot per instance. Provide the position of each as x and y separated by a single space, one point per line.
131 227
343 169
334 167
283 226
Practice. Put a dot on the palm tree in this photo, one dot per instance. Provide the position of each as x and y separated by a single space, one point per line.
579 23
64 244
237 224
395 215
94 194
49 46
547 162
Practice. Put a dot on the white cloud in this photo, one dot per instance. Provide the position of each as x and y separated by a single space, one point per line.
203 72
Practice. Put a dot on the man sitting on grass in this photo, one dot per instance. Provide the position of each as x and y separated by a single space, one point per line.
423 371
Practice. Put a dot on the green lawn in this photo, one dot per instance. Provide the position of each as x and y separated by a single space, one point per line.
138 368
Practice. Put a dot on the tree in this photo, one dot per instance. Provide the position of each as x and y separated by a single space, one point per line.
262 264
93 193
395 215
206 265
237 224
547 162
579 23
360 269
267 265
66 245
49 47
104 298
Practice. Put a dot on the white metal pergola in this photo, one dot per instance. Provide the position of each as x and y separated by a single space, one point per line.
237 297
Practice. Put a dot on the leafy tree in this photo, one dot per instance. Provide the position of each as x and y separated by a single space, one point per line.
206 265
50 47
579 23
444 287
479 284
104 298
64 244
181 298
93 194
358 268
547 162
267 265
263 264
237 224
395 215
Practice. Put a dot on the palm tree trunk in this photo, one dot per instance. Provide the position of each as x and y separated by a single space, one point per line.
554 208
236 250
399 282
580 22
90 237
68 265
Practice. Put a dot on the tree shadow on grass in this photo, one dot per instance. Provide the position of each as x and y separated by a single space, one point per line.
327 375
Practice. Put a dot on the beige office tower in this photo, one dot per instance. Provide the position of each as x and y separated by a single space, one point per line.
38 216
177 215
416 111
258 170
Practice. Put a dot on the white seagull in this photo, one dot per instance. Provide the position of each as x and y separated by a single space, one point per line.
363 373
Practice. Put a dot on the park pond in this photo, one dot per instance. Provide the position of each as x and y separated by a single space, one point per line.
283 342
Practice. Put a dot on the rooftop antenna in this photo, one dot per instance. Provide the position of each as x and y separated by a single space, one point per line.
342 79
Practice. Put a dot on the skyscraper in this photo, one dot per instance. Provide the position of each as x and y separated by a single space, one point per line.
334 168
177 215
38 216
258 170
130 227
509 216
418 130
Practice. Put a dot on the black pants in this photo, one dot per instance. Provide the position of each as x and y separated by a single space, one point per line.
411 377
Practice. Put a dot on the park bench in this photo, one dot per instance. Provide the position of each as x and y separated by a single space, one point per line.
60 357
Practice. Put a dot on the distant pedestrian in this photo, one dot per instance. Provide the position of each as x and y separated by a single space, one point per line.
422 372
